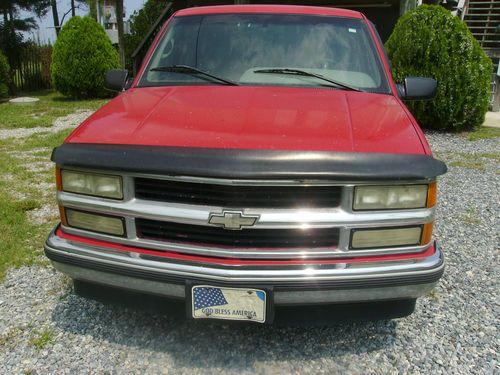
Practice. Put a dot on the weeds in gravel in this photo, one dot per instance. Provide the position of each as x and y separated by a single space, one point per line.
468 164
484 133
43 113
492 155
433 295
471 217
43 339
478 156
16 200
8 338
476 161
27 203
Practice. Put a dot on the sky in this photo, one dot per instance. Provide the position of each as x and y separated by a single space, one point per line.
46 33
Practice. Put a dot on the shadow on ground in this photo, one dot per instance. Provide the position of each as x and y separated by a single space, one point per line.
159 326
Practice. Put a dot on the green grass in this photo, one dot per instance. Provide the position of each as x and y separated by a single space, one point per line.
468 164
51 106
484 133
491 155
478 156
44 338
22 240
477 161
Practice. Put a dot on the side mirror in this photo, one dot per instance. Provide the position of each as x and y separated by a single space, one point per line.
116 79
417 88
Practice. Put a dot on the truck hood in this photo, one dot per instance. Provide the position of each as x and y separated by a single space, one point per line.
271 118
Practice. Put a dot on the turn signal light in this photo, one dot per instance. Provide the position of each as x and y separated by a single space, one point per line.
426 234
432 195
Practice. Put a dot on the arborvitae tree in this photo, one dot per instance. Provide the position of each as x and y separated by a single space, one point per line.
429 41
82 55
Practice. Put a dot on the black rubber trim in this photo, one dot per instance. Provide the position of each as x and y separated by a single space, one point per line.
278 286
249 164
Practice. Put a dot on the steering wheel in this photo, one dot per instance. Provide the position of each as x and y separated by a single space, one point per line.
167 51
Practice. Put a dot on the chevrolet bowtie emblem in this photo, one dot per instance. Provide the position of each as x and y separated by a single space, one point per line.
233 220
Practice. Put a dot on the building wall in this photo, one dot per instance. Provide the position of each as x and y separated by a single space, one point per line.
106 16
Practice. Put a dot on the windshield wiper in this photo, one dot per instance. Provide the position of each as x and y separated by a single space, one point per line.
186 69
304 73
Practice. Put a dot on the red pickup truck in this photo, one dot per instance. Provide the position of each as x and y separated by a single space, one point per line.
261 157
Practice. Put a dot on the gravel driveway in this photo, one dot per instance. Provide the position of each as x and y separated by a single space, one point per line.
45 328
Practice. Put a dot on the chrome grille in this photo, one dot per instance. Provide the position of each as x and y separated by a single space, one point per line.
338 220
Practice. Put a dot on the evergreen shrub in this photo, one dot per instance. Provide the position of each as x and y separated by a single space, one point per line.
430 42
81 56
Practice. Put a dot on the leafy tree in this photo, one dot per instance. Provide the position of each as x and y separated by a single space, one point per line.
92 7
140 23
4 77
82 55
12 25
430 41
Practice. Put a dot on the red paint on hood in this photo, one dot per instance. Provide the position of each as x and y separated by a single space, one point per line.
252 117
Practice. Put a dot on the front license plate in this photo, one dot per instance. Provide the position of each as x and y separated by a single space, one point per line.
210 302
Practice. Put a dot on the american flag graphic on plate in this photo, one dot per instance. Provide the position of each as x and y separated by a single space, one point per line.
210 302
208 297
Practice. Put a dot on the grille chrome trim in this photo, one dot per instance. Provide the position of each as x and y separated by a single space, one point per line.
269 218
245 253
345 271
341 217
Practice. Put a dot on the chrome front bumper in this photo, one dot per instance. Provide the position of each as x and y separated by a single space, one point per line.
332 283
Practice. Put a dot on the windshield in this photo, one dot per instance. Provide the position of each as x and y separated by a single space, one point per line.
254 49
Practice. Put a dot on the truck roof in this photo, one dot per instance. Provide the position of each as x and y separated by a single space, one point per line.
283 9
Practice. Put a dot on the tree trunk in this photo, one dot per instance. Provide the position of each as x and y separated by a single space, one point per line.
8 29
119 21
55 15
73 10
92 8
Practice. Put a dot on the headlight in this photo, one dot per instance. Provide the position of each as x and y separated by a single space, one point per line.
390 197
100 185
95 222
394 237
